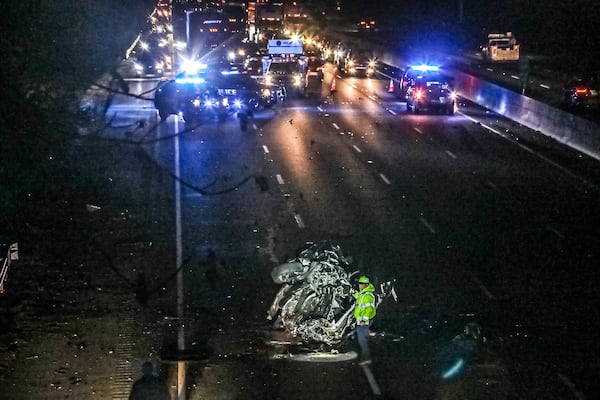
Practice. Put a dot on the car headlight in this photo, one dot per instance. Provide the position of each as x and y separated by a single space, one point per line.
266 92
268 79
297 80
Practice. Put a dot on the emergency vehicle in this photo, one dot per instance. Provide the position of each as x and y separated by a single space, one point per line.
212 92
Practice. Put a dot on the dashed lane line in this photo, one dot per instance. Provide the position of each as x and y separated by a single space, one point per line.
492 185
569 383
299 221
280 179
371 379
385 179
335 126
355 147
539 155
265 149
391 111
418 131
450 154
427 224
483 288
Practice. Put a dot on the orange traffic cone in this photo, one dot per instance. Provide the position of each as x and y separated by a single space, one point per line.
333 87
391 87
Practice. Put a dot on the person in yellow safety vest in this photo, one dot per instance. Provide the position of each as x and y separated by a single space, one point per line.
364 312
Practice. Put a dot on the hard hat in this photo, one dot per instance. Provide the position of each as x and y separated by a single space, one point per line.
363 279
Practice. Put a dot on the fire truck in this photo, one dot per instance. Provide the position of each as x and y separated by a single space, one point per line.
500 47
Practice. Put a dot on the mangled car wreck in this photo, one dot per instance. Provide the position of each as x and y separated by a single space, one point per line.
315 303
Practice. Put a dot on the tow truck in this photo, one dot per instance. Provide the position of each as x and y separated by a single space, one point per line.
500 47
204 92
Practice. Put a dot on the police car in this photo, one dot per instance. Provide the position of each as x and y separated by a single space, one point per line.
207 92
425 87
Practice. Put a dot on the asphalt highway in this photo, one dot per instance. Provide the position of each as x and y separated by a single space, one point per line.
477 219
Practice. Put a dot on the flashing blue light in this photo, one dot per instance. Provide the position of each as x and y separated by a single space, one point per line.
192 67
454 370
189 79
425 68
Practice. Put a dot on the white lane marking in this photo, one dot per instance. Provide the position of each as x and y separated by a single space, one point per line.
385 179
391 112
356 148
489 69
493 186
279 179
569 383
418 130
255 127
371 379
265 149
544 86
555 231
319 108
299 221
372 98
540 156
450 154
335 126
483 288
181 366
515 77
427 224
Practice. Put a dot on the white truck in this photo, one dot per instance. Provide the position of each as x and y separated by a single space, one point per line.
500 47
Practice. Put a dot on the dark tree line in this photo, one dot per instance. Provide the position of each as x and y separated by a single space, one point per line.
52 51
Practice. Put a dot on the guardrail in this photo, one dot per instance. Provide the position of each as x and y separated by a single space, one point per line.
575 132
12 254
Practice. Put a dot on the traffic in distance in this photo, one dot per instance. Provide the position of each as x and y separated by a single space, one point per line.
209 64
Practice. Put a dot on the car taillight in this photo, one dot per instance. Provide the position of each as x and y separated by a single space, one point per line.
419 94
581 90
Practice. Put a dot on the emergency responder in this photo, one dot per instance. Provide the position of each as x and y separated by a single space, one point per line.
364 312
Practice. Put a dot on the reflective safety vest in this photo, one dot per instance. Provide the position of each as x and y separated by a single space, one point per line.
364 308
